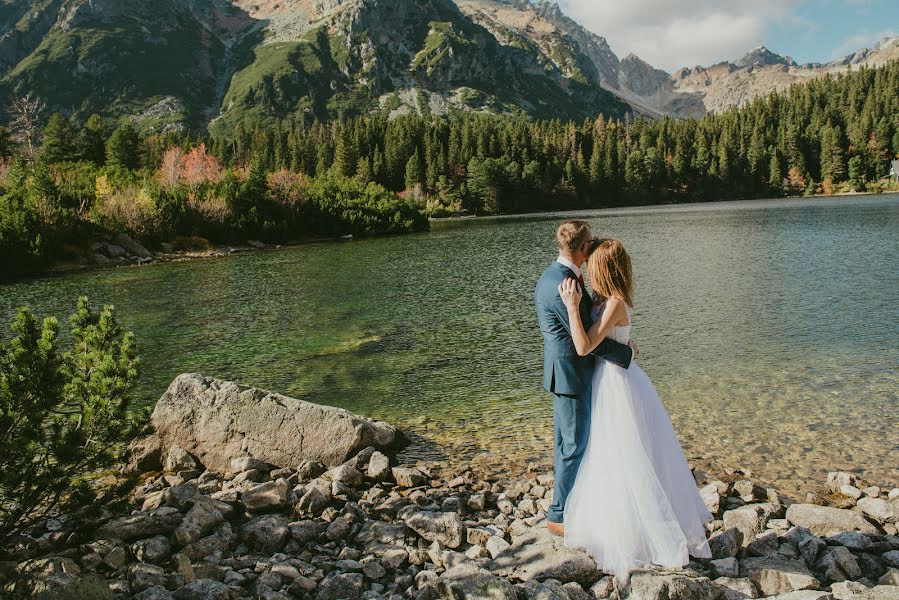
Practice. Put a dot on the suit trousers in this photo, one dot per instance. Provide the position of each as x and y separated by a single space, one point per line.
571 428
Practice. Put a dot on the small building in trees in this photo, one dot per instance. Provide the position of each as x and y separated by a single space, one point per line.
894 169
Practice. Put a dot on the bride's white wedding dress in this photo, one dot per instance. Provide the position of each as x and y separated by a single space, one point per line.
634 502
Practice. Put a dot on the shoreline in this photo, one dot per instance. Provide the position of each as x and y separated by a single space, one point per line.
340 517
70 267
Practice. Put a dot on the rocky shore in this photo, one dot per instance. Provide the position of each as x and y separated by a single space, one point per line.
244 493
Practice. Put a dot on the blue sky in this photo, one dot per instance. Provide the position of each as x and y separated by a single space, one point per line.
675 33
823 30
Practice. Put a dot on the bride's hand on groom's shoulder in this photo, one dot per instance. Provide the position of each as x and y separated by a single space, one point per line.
570 292
634 348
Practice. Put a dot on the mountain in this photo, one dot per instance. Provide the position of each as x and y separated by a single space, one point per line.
688 92
761 71
176 63
220 63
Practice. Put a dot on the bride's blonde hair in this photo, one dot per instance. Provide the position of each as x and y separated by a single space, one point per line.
609 271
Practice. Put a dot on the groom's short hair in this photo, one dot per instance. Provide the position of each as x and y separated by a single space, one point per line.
572 234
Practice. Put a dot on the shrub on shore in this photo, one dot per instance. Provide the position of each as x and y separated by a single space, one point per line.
64 412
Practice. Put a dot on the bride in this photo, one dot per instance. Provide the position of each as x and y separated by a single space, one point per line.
634 502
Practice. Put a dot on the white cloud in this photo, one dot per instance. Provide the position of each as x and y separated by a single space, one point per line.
866 39
675 33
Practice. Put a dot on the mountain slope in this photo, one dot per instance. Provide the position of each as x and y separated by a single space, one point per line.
189 63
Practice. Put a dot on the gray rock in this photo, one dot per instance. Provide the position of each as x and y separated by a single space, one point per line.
114 251
248 463
496 545
378 466
604 588
804 595
347 475
268 496
409 477
157 592
446 528
341 586
179 459
313 502
338 529
268 533
203 589
468 582
809 544
548 590
839 564
826 520
540 555
216 420
132 247
726 544
154 550
304 532
711 498
736 588
878 509
200 520
142 576
653 585
750 519
215 545
846 590
852 539
891 577
141 525
726 567
774 575
892 557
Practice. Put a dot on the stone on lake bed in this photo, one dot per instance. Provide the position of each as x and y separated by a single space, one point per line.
216 420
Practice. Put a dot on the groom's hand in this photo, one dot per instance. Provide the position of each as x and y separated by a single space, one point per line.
634 348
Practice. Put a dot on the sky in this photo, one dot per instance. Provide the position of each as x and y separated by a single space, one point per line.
670 34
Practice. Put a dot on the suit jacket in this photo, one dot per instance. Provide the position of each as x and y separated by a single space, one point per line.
565 372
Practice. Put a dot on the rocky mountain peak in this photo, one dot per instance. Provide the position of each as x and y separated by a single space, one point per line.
762 56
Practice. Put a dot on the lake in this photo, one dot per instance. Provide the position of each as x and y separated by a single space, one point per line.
771 329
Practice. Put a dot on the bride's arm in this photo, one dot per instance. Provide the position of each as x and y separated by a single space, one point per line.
586 341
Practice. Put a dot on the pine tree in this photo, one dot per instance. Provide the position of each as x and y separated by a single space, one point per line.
63 413
123 147
415 174
59 140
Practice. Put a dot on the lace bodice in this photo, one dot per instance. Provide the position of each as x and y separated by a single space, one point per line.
619 333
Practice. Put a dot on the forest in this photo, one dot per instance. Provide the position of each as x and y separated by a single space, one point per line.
63 183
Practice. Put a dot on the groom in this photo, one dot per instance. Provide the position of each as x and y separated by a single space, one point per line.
566 375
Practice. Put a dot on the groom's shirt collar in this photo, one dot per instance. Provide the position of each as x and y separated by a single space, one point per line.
564 261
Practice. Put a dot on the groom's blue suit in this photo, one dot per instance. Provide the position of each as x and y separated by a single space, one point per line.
568 377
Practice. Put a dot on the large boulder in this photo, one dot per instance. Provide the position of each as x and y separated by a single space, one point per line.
217 420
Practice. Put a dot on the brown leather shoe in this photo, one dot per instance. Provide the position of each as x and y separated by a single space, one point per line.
555 528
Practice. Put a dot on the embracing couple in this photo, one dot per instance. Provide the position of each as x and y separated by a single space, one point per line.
623 489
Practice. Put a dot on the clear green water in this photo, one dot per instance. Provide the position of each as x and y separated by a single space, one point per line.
771 329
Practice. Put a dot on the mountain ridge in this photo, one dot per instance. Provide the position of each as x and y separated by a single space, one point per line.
219 64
